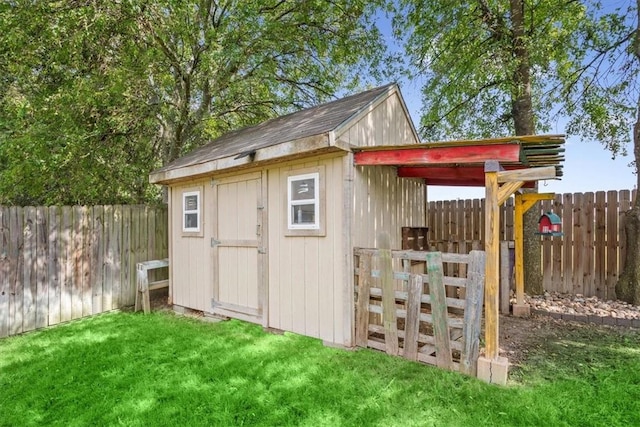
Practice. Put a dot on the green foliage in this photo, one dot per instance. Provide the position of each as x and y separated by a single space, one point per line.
94 95
157 369
466 53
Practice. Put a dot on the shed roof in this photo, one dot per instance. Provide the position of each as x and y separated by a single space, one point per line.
298 126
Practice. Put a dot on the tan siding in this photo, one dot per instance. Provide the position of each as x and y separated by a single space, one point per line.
387 124
384 202
304 272
191 256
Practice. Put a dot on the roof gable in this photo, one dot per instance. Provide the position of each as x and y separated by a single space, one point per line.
302 124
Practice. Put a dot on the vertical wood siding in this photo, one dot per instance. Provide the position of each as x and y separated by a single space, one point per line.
63 263
386 124
306 272
191 260
384 202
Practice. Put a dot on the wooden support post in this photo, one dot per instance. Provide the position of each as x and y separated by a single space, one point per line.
523 202
519 248
492 249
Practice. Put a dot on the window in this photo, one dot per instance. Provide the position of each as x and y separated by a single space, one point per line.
191 211
304 202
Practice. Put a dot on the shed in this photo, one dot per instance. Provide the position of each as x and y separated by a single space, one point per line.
264 220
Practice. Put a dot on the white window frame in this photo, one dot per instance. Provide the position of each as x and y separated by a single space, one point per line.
197 211
315 201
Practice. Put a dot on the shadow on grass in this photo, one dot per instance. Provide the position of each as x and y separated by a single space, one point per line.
130 369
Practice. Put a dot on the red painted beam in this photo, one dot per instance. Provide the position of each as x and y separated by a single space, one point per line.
440 155
471 176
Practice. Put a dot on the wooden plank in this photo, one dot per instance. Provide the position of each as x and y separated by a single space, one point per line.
54 265
116 246
439 310
600 243
588 244
87 249
612 243
547 260
16 298
440 155
78 242
460 220
578 236
66 263
567 242
468 220
507 228
473 314
477 219
531 174
388 297
505 278
362 310
4 271
624 204
127 285
492 248
557 249
29 269
97 260
42 273
107 283
412 322
446 220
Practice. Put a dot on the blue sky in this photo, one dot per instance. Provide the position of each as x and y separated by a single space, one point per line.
588 166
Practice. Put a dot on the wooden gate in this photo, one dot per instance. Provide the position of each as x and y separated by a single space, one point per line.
407 307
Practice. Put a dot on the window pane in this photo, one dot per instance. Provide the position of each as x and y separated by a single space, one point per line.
191 202
191 220
303 189
303 214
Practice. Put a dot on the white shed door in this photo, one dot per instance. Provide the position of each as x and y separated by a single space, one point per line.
237 243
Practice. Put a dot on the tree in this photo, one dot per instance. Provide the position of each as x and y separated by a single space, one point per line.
605 106
93 91
490 68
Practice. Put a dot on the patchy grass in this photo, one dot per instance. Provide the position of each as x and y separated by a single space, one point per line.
131 369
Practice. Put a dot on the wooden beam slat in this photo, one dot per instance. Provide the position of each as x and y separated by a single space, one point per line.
533 174
439 311
440 155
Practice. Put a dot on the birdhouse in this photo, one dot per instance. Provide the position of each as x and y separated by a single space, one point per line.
550 224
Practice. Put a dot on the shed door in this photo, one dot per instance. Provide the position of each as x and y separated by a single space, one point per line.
237 243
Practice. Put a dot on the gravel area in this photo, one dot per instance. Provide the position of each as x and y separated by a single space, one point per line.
585 309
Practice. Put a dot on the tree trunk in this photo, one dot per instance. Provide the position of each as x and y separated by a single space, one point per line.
522 111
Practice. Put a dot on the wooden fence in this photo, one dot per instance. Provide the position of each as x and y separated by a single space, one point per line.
418 312
64 263
586 260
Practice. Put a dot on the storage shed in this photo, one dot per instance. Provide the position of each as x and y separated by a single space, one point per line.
264 220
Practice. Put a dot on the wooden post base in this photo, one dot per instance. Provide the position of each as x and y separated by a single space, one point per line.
521 310
493 371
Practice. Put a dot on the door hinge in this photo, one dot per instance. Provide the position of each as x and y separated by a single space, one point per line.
214 242
262 251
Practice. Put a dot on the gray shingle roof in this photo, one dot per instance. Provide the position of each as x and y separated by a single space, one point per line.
312 121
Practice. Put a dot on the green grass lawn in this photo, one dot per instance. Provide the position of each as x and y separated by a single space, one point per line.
159 369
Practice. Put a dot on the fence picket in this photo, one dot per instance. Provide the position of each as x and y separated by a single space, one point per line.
53 264
4 271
